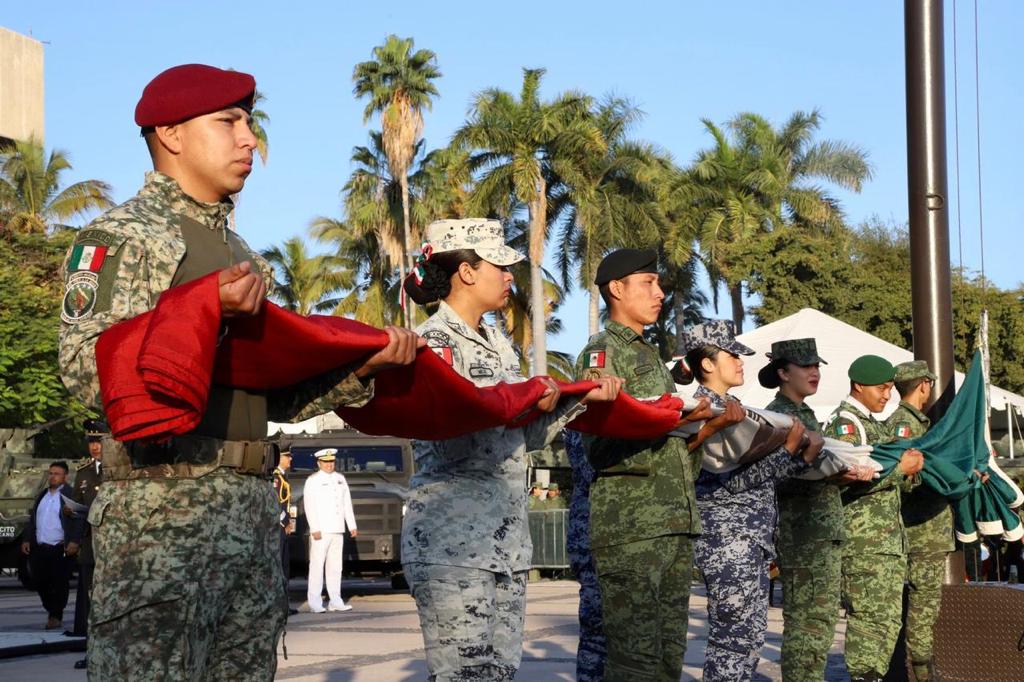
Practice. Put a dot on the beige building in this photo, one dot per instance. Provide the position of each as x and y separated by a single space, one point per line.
21 86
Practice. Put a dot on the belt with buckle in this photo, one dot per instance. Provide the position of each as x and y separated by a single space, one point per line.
195 456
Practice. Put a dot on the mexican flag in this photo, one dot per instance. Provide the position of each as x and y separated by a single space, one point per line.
87 258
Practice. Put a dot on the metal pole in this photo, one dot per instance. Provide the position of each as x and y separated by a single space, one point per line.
928 195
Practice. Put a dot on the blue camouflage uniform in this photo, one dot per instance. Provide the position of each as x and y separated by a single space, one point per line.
592 649
738 515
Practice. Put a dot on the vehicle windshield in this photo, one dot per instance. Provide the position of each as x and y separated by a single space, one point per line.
352 459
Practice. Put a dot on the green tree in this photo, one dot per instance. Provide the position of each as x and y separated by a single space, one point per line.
613 204
372 295
764 179
306 283
521 149
258 121
31 391
31 198
398 84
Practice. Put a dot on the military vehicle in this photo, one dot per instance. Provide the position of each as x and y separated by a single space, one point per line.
378 470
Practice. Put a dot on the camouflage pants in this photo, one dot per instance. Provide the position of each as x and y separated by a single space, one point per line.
810 577
873 597
736 576
645 602
188 580
925 573
592 649
471 619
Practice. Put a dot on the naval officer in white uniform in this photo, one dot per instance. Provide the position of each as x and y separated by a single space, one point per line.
328 504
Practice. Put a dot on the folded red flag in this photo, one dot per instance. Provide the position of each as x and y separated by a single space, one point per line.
156 369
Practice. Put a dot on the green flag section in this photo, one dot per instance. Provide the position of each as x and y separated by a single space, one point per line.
954 449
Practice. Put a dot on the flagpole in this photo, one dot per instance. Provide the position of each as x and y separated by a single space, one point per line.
928 195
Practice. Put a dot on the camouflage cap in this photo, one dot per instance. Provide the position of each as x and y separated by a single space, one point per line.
552 486
801 352
871 370
915 369
325 455
719 333
485 237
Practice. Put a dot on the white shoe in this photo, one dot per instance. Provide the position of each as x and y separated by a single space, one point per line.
343 607
316 609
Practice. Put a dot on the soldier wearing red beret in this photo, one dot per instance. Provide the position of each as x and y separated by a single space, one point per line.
187 584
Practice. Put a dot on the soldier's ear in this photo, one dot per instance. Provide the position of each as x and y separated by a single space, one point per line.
168 138
617 289
467 273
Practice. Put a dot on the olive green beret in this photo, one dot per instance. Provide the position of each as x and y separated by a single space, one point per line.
871 370
915 369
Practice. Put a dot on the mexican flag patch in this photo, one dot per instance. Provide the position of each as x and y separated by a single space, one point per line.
845 429
903 432
594 360
445 353
87 258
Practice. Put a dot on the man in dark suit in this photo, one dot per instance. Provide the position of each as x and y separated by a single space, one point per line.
51 538
87 484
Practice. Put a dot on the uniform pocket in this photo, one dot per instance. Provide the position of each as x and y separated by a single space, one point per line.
144 629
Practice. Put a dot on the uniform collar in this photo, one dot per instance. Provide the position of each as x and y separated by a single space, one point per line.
715 399
166 189
622 332
859 407
918 414
451 318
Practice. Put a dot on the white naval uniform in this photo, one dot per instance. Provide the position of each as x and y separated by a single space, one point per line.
328 505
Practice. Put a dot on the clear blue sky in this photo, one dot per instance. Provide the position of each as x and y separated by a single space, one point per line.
678 61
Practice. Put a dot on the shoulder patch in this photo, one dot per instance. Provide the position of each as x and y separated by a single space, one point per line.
903 431
79 296
594 359
440 343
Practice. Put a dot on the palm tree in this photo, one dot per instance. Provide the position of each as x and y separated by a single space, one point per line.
372 293
306 283
258 121
520 150
765 179
397 82
616 203
31 199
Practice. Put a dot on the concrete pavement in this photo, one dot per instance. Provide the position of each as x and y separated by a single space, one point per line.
379 639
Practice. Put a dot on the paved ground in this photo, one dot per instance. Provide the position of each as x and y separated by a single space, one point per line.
379 640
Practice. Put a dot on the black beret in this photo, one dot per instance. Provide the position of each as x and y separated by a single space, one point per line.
624 262
190 90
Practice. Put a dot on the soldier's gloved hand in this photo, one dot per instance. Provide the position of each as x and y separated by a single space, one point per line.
698 414
401 350
607 390
242 291
551 395
795 437
911 462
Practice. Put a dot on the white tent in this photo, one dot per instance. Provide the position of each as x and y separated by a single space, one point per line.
839 344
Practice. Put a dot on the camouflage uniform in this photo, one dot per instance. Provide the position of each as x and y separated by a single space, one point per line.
188 573
643 517
928 519
809 544
737 512
593 648
465 539
875 552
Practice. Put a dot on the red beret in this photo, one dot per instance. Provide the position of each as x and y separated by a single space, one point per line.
190 90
